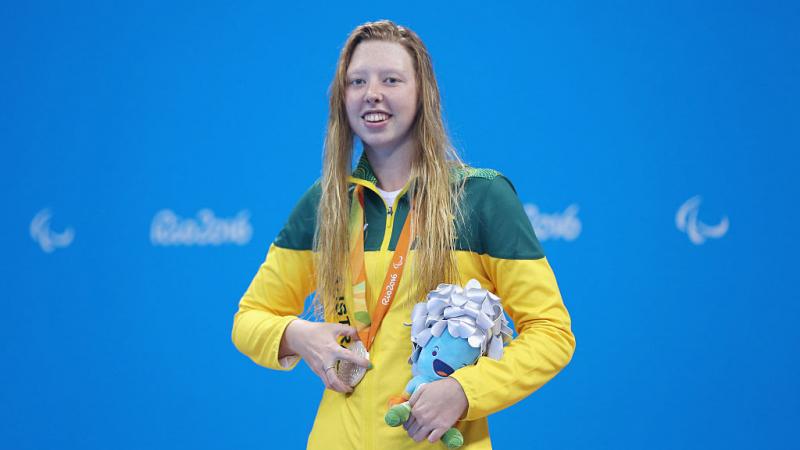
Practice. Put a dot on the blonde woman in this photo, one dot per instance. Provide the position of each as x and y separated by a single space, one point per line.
371 242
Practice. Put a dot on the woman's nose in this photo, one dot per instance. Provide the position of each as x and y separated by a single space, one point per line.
373 94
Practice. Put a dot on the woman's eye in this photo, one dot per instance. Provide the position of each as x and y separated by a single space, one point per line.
392 80
356 82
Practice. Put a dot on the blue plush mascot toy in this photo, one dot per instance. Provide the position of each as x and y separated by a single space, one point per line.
451 330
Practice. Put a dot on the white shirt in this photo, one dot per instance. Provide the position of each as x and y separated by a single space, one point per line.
389 197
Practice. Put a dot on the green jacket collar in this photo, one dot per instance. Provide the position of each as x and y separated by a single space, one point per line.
363 172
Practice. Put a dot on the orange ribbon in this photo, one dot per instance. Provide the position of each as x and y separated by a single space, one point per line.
394 274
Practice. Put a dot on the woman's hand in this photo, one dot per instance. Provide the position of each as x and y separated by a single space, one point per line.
435 408
317 343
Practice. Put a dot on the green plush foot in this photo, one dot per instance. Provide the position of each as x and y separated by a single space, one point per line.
453 438
397 414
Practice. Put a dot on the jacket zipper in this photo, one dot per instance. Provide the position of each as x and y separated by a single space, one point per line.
390 213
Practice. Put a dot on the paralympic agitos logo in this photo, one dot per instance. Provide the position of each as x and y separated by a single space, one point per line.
48 239
686 219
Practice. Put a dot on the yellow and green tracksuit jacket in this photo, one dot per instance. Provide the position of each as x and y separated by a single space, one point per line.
495 245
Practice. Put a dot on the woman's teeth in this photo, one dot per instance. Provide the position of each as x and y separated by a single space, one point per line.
376 117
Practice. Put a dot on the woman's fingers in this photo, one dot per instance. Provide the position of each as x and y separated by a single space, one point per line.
416 430
421 434
335 383
437 434
408 423
320 349
347 355
344 330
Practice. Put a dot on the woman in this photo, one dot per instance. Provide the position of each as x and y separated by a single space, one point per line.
348 240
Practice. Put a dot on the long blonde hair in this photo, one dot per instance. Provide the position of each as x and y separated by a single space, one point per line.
435 197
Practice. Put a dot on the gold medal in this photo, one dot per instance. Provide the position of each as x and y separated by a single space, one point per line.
351 374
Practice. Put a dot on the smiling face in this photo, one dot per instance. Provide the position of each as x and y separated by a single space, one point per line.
381 95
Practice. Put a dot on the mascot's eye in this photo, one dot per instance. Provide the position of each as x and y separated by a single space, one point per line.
435 351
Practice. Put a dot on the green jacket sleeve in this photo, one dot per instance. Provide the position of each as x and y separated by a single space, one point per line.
523 279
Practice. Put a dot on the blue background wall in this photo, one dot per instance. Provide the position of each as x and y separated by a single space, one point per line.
111 113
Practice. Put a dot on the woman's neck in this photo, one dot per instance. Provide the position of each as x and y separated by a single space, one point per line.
392 168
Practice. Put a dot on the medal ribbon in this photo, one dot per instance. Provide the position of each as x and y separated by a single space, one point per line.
367 326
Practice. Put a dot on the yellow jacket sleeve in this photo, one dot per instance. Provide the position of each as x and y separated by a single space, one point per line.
274 298
544 344
513 261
